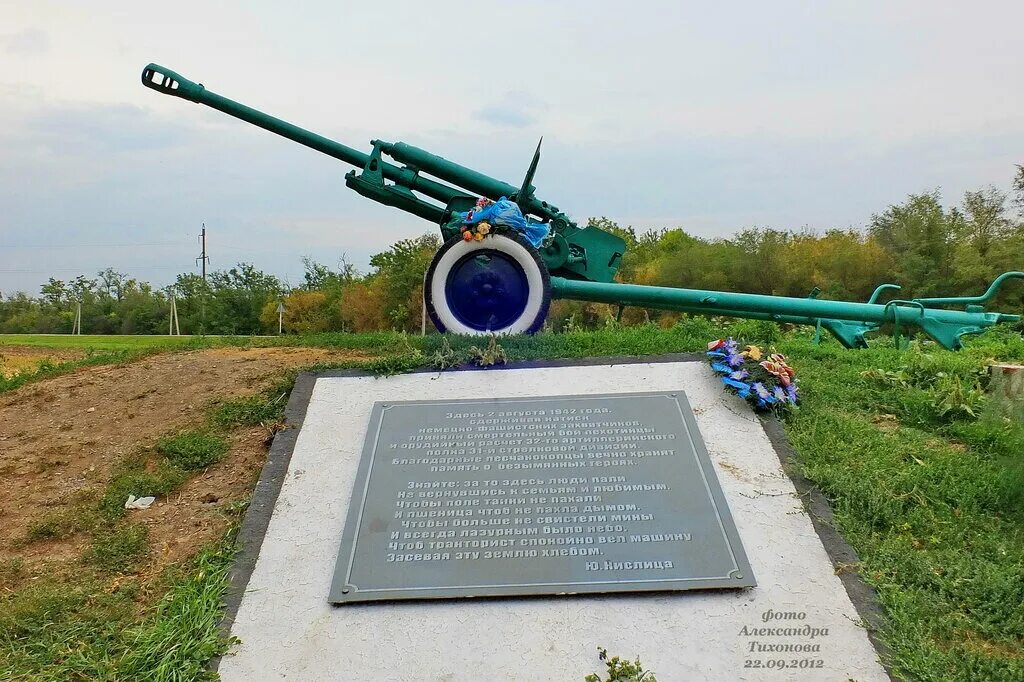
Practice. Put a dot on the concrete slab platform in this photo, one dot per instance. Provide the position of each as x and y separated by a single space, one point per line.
799 623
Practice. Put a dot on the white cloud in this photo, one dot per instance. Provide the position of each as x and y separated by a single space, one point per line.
714 117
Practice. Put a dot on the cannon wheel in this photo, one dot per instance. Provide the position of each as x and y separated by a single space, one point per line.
499 285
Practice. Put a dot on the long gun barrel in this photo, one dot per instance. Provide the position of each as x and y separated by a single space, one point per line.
168 82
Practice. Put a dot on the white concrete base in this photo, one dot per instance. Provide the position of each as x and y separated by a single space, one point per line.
289 631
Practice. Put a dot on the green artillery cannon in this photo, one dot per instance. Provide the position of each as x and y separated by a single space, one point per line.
504 284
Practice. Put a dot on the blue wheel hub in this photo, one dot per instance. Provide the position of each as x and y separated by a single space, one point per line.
487 290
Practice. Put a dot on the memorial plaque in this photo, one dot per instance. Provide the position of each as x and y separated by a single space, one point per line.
530 496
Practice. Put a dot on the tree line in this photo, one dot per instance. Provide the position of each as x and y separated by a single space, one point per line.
928 248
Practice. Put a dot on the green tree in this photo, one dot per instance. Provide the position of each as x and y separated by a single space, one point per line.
1018 191
919 237
319 277
237 297
398 274
141 309
113 282
55 292
985 224
985 220
192 294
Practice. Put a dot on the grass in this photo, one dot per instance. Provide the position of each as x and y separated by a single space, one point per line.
98 343
12 571
178 639
397 352
96 619
102 351
613 339
926 480
109 350
63 523
620 670
139 476
47 369
932 498
119 549
75 623
84 629
53 629
192 450
264 409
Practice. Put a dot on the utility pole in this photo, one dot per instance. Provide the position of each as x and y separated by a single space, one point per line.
173 328
203 258
76 328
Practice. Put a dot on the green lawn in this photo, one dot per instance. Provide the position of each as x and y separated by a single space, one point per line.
926 480
101 350
104 343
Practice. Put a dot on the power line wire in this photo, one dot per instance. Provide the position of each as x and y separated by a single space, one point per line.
87 246
83 270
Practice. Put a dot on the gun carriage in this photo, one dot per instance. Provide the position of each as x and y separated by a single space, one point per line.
503 283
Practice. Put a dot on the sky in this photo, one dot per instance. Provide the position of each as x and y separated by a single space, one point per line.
713 117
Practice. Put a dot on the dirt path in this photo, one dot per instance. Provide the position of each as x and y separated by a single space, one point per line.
60 438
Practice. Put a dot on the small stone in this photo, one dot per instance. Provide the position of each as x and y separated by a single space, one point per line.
209 498
91 409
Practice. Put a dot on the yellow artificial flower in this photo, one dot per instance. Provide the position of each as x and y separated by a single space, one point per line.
753 352
479 237
483 228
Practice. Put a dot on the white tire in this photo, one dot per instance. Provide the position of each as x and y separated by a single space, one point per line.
499 285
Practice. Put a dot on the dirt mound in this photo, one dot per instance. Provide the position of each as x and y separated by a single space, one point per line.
60 438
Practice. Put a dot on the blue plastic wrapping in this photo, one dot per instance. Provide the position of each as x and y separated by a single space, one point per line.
505 213
536 233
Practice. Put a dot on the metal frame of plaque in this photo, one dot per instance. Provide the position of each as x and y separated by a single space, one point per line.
536 496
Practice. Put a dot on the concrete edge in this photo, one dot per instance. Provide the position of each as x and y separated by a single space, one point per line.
261 504
264 497
844 558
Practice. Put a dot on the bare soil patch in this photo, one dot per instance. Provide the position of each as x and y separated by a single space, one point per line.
15 359
60 438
